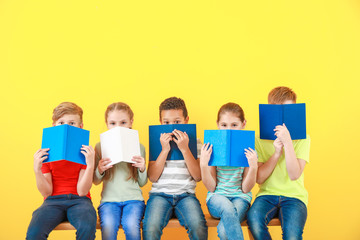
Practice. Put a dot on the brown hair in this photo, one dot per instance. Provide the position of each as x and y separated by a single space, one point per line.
66 108
233 108
173 103
119 106
281 94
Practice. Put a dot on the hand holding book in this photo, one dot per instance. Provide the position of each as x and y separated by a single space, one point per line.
39 157
104 164
139 163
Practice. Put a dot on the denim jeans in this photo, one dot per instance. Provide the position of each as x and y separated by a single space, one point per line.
231 211
129 214
291 211
186 207
79 211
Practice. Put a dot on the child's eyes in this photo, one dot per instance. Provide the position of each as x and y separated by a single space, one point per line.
112 123
177 122
72 123
61 123
166 122
223 125
123 123
234 125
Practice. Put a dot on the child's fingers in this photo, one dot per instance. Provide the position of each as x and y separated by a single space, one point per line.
176 133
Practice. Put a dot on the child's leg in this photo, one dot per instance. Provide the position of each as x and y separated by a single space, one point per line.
260 214
46 218
188 211
110 215
133 212
242 207
293 214
82 215
157 215
229 226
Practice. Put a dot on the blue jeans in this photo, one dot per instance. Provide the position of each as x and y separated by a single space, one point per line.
231 211
291 211
79 211
186 207
129 214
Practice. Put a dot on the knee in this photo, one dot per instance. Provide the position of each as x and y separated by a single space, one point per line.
151 226
254 217
131 227
197 225
292 234
87 224
35 233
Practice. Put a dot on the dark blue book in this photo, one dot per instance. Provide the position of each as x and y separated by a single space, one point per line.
293 115
65 143
175 153
229 146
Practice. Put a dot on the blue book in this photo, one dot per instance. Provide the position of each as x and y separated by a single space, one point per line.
175 153
293 115
229 146
65 143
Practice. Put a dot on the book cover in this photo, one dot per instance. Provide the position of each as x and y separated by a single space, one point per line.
293 115
175 154
229 146
120 144
65 143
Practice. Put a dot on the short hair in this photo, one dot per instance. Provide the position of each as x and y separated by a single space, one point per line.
233 108
173 103
281 94
119 106
66 108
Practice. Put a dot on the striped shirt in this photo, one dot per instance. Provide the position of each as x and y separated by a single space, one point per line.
175 178
229 183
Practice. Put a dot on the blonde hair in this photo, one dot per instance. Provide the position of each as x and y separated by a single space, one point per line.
66 108
119 106
281 94
233 108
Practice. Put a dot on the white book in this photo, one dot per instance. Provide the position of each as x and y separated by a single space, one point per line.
120 144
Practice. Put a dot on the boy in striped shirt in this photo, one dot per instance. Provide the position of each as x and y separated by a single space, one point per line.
174 181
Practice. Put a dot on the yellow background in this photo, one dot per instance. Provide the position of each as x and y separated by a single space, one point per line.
208 53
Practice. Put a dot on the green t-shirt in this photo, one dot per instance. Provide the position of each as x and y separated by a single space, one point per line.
279 182
119 188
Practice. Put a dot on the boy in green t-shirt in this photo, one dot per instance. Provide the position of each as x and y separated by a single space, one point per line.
280 175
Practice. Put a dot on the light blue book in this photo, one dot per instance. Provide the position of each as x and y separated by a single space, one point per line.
293 115
229 146
175 154
65 143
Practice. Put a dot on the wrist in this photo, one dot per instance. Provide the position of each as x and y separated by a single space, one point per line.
204 164
184 150
38 171
288 144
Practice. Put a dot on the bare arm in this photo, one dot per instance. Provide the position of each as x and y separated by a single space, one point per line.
86 176
266 169
249 175
156 167
208 173
192 164
43 181
294 166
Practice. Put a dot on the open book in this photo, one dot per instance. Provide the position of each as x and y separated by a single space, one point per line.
229 146
293 115
65 143
175 153
120 144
